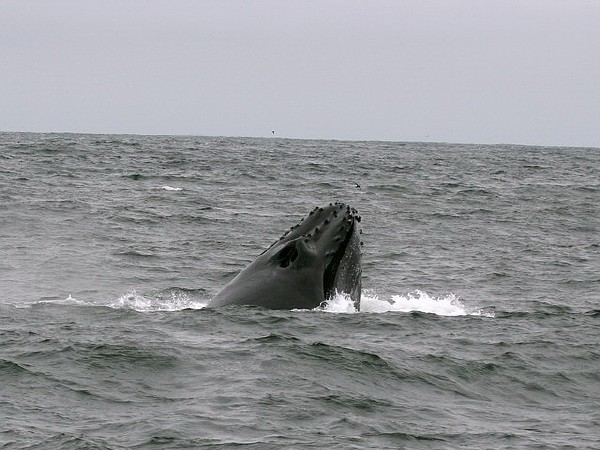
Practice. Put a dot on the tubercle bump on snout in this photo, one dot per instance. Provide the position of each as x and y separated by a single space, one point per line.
325 216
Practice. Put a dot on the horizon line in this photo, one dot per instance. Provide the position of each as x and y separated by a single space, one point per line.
271 137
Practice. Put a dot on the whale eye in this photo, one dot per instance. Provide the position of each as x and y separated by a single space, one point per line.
286 255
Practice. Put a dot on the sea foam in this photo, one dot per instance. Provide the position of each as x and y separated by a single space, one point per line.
446 305
175 302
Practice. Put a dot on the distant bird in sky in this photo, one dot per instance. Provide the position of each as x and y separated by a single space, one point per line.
273 131
357 185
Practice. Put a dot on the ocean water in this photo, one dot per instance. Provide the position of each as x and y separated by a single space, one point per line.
479 326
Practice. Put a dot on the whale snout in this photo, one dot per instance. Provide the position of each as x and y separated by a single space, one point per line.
327 226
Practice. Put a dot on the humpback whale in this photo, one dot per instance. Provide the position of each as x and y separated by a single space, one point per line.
312 261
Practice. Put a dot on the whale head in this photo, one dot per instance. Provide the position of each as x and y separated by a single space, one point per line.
312 261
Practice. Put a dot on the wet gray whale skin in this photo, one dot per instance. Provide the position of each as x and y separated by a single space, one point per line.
305 267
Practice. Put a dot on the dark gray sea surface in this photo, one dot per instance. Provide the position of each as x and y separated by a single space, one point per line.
479 326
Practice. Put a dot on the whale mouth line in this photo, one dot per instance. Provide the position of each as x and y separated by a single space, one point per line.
331 270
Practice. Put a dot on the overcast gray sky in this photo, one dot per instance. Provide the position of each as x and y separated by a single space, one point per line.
479 71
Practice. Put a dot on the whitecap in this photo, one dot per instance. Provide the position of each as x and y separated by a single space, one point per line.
171 188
